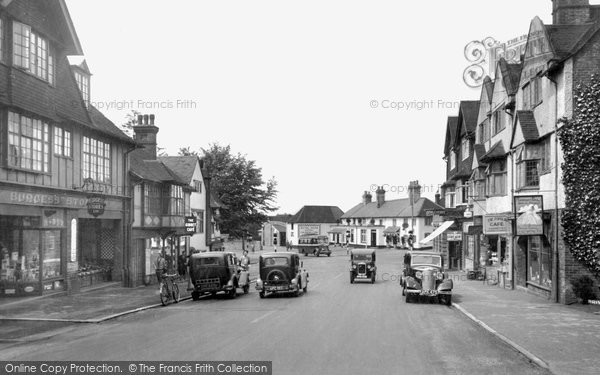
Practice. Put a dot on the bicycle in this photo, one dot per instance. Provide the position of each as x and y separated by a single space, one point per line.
166 293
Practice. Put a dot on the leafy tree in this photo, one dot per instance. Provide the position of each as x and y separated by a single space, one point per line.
580 141
239 184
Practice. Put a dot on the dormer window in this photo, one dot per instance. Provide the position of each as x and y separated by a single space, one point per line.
83 82
31 52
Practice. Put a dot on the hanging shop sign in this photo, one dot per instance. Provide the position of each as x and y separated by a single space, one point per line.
496 224
96 205
190 224
454 236
528 215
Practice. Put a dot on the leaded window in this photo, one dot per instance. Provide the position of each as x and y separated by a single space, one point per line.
28 143
96 160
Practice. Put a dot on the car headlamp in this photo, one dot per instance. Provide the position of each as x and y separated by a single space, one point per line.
440 276
419 274
354 266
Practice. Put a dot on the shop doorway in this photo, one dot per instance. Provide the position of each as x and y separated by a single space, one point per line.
96 250
455 255
373 238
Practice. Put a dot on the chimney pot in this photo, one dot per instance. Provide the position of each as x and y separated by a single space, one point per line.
145 119
152 119
140 119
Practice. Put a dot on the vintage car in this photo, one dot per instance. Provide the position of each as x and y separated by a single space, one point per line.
314 244
281 272
213 272
362 265
423 277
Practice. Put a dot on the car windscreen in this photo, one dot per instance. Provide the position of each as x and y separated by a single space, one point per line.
213 261
276 261
366 257
427 259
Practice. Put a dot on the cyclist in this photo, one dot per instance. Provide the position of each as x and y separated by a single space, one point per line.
160 266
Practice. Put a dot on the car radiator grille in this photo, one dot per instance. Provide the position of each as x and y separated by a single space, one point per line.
362 268
208 283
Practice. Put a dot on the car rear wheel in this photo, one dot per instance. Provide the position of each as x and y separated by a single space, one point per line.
261 294
195 296
447 300
408 298
373 279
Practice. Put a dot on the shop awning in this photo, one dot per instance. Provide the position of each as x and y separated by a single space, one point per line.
441 229
337 230
391 230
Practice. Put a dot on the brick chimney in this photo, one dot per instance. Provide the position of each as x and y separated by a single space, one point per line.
570 12
414 191
367 197
380 196
144 133
438 197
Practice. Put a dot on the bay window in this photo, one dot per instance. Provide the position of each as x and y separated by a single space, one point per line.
452 160
496 178
464 148
152 199
478 183
28 143
528 162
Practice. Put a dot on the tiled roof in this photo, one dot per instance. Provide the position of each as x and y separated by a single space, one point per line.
488 85
284 218
451 127
468 112
393 208
184 166
511 74
479 151
528 125
105 126
317 214
279 227
495 152
566 38
153 170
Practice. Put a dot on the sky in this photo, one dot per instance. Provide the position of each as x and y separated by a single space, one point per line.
331 98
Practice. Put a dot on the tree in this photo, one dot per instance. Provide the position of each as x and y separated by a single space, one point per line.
239 184
580 141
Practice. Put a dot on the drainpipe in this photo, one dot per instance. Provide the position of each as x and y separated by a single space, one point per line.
128 223
554 65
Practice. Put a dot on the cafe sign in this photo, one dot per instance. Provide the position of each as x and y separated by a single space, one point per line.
307 230
496 224
190 224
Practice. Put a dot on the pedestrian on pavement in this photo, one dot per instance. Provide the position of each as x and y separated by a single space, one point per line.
244 260
181 264
160 267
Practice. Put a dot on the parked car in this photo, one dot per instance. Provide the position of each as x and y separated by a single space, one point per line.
423 277
362 265
213 272
281 272
314 244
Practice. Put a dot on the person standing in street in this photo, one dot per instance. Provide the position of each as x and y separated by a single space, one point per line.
160 267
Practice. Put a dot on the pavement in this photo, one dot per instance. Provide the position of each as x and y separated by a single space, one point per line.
562 339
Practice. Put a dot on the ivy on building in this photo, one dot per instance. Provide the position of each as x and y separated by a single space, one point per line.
580 141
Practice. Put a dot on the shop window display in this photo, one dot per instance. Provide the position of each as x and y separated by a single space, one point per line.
540 262
29 254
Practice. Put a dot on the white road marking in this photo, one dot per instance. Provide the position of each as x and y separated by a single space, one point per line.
262 317
338 276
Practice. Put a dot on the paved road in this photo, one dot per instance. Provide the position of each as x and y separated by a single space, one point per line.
335 328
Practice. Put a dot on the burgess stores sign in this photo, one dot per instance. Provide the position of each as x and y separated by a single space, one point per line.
53 200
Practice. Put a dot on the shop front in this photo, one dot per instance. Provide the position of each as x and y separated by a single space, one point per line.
45 245
534 255
496 254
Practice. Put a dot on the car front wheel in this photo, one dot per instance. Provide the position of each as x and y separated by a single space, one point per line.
408 298
261 294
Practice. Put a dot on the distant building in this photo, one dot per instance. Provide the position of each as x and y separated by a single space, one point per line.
311 220
387 223
274 231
